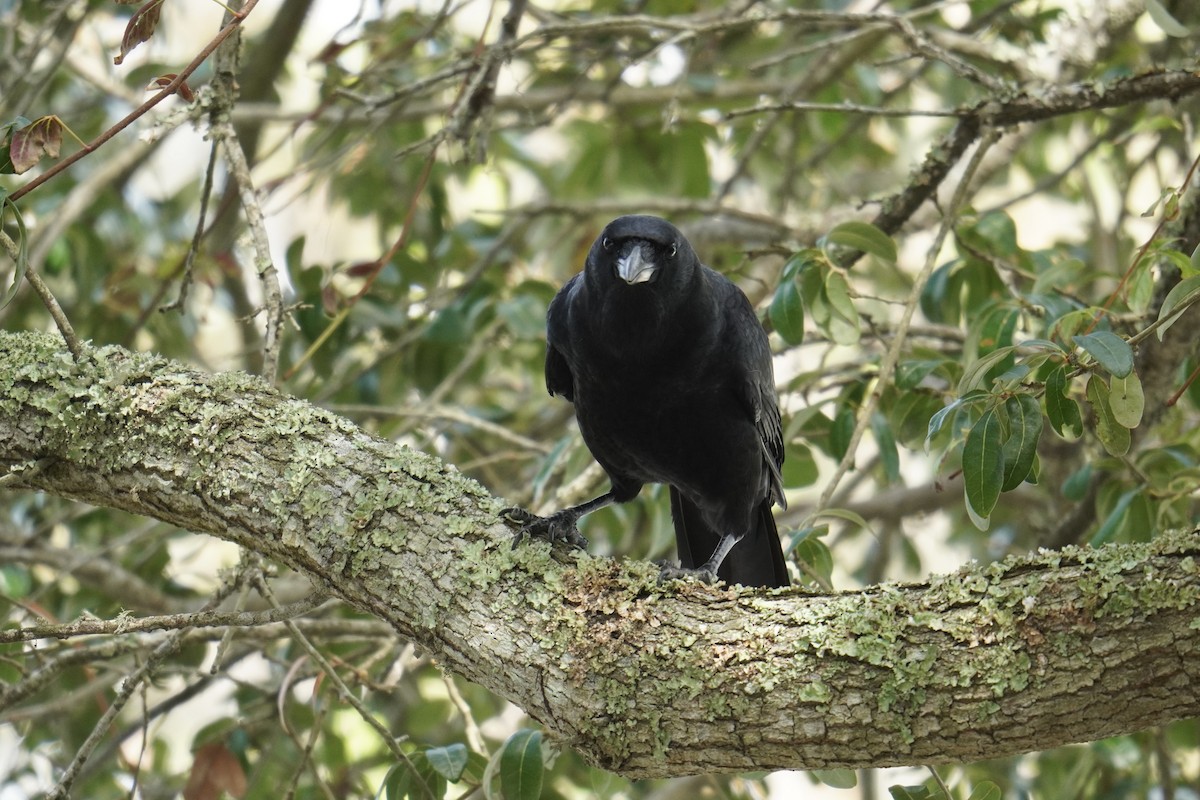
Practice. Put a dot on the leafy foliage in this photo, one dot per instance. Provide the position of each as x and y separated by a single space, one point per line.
1008 352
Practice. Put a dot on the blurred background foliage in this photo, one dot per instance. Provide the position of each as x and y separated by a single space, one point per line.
421 224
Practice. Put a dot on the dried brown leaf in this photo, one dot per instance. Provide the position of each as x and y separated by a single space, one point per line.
141 27
215 769
42 137
163 81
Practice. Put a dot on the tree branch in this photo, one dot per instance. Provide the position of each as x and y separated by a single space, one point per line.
643 679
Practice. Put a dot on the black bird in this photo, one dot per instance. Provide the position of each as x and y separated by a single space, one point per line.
670 373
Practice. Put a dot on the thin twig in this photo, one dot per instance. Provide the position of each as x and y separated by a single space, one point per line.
141 110
56 312
198 619
62 789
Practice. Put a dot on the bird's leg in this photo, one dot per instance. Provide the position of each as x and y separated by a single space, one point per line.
559 526
706 572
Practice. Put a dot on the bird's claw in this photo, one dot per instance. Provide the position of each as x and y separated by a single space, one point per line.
558 527
671 571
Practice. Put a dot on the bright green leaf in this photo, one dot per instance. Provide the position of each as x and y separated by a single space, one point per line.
1110 351
1114 436
865 237
845 327
1181 295
787 313
909 793
1126 400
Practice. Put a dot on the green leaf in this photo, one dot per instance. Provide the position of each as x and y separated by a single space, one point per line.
1075 487
889 457
802 260
809 549
521 766
939 419
812 289
799 466
837 778
865 237
845 327
1114 436
1181 293
1024 430
787 312
448 761
985 790
841 431
853 517
909 793
940 300
983 465
1163 19
1126 400
413 779
1110 351
15 581
1113 521
974 375
996 329
1062 410
909 374
7 206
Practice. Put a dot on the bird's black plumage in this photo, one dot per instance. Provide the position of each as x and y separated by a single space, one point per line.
670 373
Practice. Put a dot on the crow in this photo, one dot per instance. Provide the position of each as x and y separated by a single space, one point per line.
670 374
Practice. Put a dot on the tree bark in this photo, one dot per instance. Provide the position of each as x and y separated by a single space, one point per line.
643 679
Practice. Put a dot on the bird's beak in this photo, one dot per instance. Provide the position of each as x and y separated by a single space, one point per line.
633 268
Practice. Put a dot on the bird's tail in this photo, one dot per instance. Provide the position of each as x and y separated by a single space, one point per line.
756 560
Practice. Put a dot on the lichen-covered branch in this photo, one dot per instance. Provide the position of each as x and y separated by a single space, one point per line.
643 679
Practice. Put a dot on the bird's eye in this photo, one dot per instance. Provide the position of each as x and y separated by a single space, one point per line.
606 243
674 249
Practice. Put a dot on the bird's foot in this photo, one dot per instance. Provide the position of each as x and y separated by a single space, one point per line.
558 527
671 571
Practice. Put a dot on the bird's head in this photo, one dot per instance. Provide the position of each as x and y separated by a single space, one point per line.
636 250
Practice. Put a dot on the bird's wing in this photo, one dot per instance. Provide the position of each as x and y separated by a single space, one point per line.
770 434
755 381
559 380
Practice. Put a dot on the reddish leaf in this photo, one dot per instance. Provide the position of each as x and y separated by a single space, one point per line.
215 769
163 81
331 301
362 269
140 28
42 136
